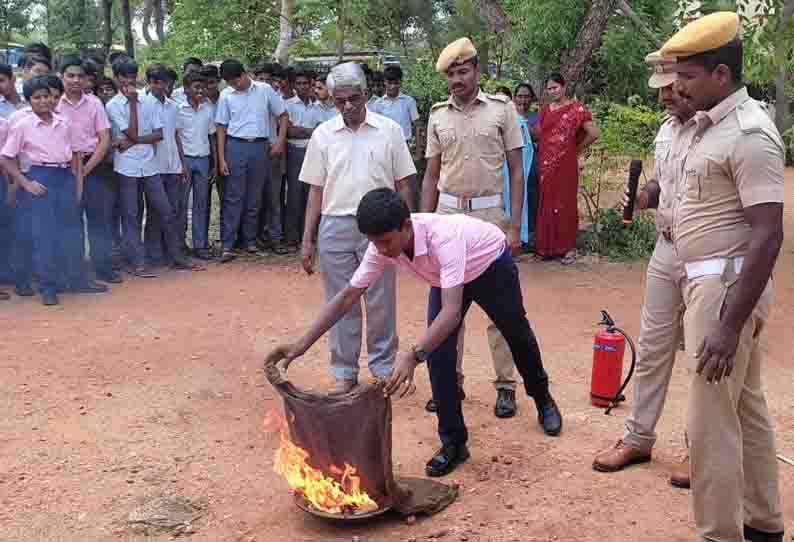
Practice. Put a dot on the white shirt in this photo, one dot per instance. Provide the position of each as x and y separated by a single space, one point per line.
139 160
194 127
7 108
349 164
247 113
304 116
167 153
178 95
325 111
401 110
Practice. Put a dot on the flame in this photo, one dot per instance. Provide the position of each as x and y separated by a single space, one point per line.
324 493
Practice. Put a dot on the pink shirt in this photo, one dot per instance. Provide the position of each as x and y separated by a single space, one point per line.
40 142
3 131
88 118
449 250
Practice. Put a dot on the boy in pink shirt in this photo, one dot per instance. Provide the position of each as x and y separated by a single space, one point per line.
52 190
464 260
3 184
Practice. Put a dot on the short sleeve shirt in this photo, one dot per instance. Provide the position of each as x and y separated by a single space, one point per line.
326 111
7 108
449 250
664 172
166 151
349 164
249 113
139 160
401 110
732 159
41 142
194 127
472 143
303 115
88 118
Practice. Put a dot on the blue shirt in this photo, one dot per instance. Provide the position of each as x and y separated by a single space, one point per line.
139 160
401 110
247 113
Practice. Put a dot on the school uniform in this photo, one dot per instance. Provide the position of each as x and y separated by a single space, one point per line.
138 170
55 219
194 127
303 115
401 110
247 117
176 189
7 210
100 191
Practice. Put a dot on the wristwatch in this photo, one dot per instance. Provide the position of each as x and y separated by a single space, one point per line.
420 355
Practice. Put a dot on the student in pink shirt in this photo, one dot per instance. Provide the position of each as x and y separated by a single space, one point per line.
464 260
3 190
52 189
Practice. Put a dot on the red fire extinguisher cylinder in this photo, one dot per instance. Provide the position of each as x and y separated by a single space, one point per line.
608 350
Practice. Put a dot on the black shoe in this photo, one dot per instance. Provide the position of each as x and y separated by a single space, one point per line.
88 287
227 256
548 414
505 403
203 253
754 535
446 459
185 265
49 299
432 406
25 290
110 278
4 296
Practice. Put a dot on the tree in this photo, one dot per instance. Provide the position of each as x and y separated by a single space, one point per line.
129 39
285 32
107 25
574 61
15 16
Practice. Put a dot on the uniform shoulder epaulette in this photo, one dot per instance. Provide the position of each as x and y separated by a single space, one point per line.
753 117
439 104
498 98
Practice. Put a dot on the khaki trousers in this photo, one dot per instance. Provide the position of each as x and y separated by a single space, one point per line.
732 440
660 334
503 365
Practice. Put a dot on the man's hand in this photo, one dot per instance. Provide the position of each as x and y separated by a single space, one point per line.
640 202
79 192
307 256
286 353
716 353
35 188
130 92
277 148
223 168
123 143
402 377
11 196
185 175
514 240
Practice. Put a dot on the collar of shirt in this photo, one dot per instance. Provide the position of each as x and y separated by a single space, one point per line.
370 119
74 105
420 239
187 105
479 98
717 113
56 119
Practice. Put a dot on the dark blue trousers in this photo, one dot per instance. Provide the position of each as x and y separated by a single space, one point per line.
156 232
6 233
55 225
198 168
498 292
249 168
100 195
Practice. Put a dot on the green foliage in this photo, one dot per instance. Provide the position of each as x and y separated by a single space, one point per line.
425 84
620 241
627 130
788 140
15 18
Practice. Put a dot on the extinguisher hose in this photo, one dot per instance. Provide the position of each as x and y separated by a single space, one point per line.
619 397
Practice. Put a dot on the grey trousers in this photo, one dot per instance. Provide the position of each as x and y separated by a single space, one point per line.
341 248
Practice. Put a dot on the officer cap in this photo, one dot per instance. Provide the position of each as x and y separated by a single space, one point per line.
457 52
664 73
704 34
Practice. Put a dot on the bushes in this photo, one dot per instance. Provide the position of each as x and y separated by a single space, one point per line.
618 241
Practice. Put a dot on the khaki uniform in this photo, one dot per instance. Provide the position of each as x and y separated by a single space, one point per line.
732 158
472 143
660 326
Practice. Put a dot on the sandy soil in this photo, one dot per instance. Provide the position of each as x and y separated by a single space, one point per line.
157 389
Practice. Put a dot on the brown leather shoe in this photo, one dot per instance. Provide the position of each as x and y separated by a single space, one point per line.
680 476
619 457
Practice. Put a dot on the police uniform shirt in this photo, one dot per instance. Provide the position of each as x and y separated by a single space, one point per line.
732 159
472 143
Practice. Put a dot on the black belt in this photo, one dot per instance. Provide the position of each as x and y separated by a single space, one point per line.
87 157
196 157
60 165
249 139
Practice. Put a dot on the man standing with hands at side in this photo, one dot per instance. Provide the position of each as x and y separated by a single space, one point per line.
468 137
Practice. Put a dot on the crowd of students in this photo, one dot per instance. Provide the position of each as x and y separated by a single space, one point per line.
102 174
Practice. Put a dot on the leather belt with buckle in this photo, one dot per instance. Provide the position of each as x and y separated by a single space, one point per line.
668 236
249 139
470 204
59 165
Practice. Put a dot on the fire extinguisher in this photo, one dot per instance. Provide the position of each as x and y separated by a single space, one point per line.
609 346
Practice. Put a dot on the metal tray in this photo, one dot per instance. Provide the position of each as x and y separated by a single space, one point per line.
306 507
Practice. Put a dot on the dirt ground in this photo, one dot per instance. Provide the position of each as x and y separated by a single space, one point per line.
156 389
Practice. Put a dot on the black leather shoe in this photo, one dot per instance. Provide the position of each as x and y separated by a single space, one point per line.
24 290
446 459
548 414
110 278
432 406
505 403
49 299
203 253
754 535
4 296
88 287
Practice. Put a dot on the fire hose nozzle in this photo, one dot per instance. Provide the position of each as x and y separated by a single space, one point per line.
606 320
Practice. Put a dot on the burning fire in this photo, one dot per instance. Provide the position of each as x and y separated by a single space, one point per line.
322 492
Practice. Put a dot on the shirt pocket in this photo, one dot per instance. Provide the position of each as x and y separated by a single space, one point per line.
488 141
379 158
696 174
447 137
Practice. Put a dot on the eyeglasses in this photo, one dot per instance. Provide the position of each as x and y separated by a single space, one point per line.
354 101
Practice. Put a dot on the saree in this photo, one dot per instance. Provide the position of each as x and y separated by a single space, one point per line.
527 214
558 214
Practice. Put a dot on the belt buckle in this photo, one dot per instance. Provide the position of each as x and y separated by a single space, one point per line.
464 204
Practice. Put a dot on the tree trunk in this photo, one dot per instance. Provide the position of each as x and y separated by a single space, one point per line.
574 61
148 8
635 19
340 32
159 20
494 14
126 15
107 25
285 32
782 105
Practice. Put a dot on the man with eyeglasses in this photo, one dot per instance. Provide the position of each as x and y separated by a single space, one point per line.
348 156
